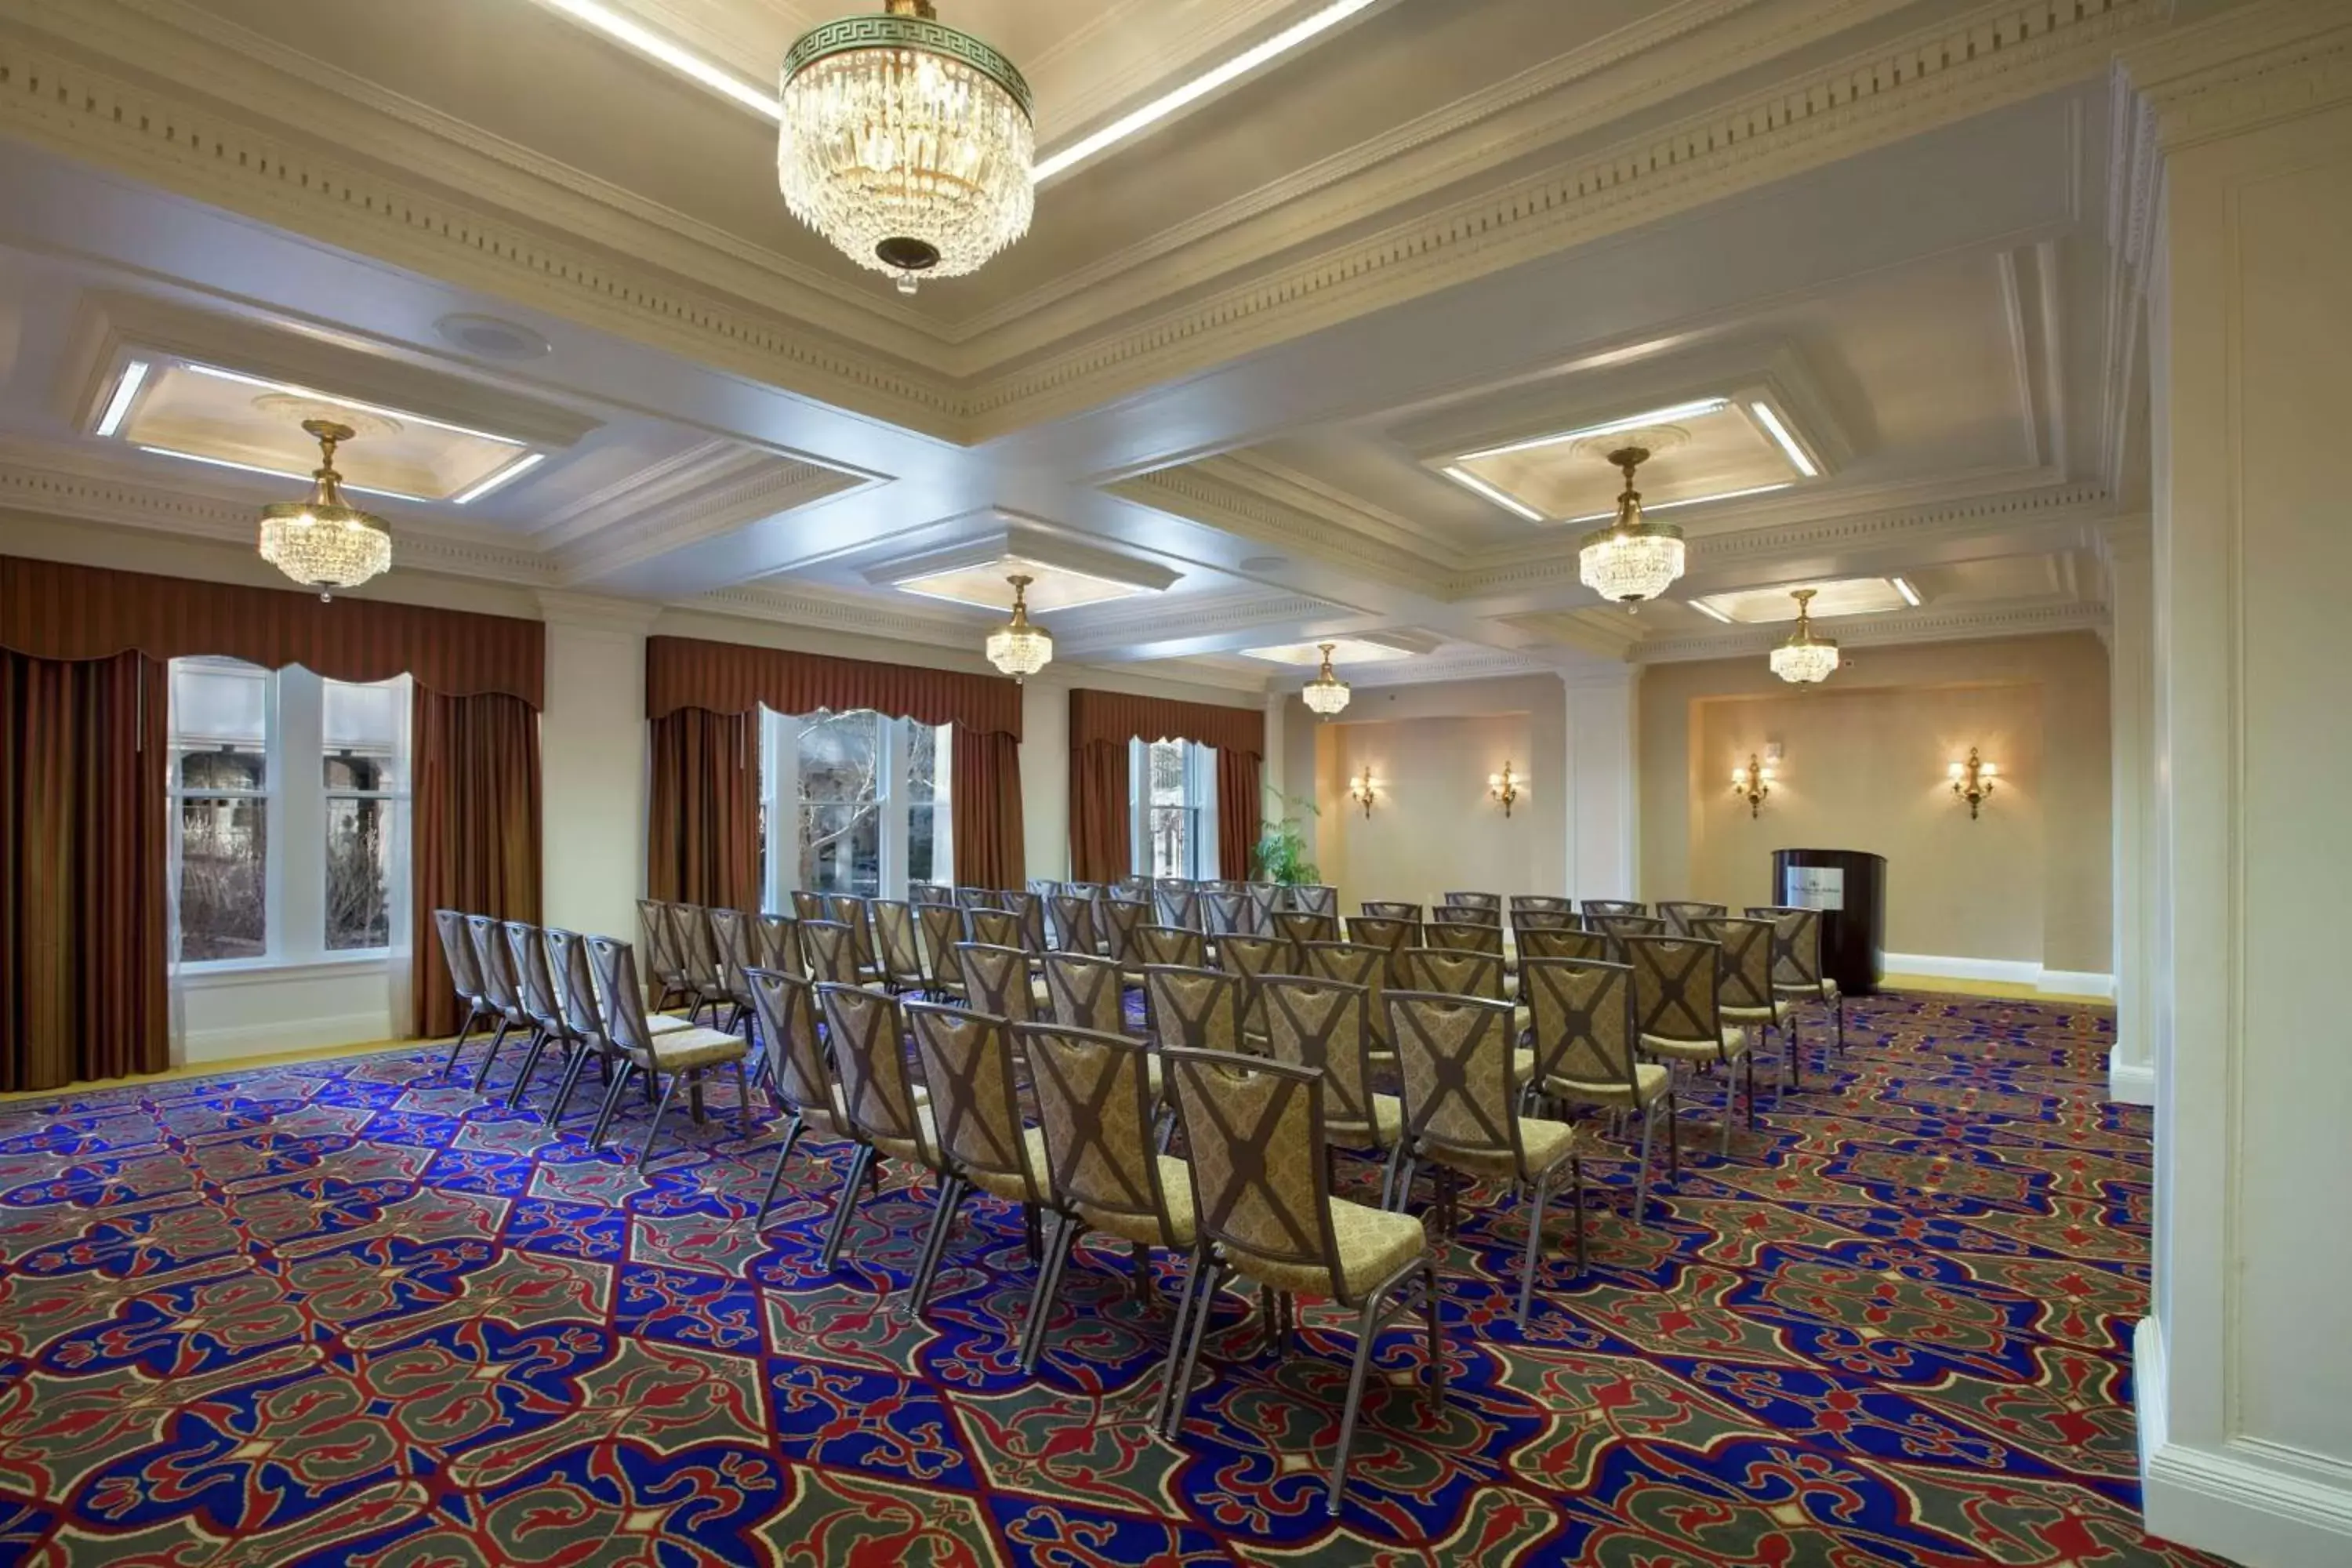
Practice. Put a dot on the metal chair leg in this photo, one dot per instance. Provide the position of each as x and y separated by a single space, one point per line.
1576 1190
1204 1307
951 1191
846 1205
660 1111
1165 1417
611 1104
1751 1092
482 1075
1049 1285
776 1178
572 1071
1730 1097
464 1030
1642 1183
539 1039
1528 1258
743 1100
1366 1322
1434 1345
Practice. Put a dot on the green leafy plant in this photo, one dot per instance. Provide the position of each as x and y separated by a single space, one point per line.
1281 855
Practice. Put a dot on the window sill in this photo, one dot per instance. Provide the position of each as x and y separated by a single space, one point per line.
374 963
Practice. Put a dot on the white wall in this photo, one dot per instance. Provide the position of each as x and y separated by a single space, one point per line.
2244 1372
592 761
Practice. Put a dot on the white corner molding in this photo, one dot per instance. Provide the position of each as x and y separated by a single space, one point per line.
2130 1082
2002 972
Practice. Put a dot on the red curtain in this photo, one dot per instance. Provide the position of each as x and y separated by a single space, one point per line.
1114 716
703 843
1100 846
55 611
1240 812
986 801
477 821
82 895
737 678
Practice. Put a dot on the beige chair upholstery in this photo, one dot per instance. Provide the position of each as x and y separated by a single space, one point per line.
1585 1053
969 1069
1323 1024
671 1056
1263 1212
1461 1111
783 1009
878 1103
1677 1014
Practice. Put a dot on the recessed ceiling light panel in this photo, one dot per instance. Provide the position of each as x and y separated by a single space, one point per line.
1051 587
1701 450
1344 651
1837 596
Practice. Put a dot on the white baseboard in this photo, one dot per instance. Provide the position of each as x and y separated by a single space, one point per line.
296 1035
2006 971
2253 1502
2131 1083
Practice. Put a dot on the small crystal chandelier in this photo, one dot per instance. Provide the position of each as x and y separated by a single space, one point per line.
1631 559
1805 658
1017 647
905 143
1327 693
323 543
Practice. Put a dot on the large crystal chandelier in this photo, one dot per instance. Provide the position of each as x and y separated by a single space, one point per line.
1017 647
905 143
1325 694
1805 658
323 543
1632 559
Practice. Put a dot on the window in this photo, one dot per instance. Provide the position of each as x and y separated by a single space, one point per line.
268 865
868 800
1174 800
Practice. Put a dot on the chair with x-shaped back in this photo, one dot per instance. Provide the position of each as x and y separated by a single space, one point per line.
1265 1213
1677 1012
878 1101
1585 1053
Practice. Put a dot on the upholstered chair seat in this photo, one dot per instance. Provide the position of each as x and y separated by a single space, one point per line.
1731 1045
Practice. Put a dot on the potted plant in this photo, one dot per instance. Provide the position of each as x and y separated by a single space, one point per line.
1281 856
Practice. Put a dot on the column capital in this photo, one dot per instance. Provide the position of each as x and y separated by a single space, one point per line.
598 612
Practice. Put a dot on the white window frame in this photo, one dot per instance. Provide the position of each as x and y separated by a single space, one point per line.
294 823
780 787
1199 788
396 825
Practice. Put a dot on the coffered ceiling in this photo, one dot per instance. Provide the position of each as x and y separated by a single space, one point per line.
1844 263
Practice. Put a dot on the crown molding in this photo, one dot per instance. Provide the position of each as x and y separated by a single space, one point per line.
493 217
1484 664
1997 56
1234 497
2038 619
64 483
2252 64
707 490
859 617
1197 617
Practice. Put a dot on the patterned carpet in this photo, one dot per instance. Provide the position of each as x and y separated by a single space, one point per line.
340 1312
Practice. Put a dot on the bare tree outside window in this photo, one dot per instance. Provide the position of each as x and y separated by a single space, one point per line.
220 778
841 801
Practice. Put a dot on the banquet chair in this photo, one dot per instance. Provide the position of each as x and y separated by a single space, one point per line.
701 983
1464 936
1300 927
465 976
584 1017
1323 1024
1074 925
1266 1215
1614 907
1171 945
1389 909
1084 992
1316 899
868 1032
659 943
1677 989
1678 914
1028 910
1120 920
1390 935
1582 1017
1540 904
1461 1112
969 898
995 928
970 1069
1618 928
495 964
784 1008
1540 941
1179 904
996 981
942 927
895 946
730 933
776 940
1797 961
1264 898
810 906
535 987
1096 1103
1353 963
1525 921
670 1056
1197 1008
832 950
857 912
1251 958
1747 997
1488 905
1230 912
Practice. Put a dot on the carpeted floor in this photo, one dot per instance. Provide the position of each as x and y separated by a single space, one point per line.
343 1313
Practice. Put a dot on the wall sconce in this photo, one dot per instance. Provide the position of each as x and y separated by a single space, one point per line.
1362 792
1753 783
1972 780
1504 787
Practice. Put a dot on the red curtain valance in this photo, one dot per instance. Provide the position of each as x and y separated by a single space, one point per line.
735 677
51 610
1097 716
